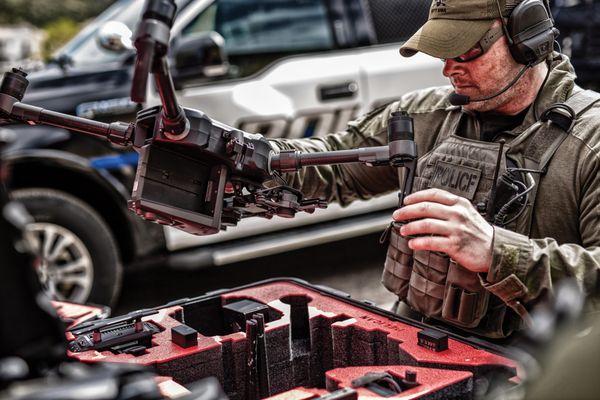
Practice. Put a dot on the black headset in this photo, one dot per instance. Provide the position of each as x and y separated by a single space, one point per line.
529 30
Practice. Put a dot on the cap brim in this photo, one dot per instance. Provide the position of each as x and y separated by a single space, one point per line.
446 38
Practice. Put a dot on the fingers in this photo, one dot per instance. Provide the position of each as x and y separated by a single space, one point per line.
424 209
448 224
427 226
431 243
432 195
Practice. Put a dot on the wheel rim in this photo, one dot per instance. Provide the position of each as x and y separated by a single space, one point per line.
63 264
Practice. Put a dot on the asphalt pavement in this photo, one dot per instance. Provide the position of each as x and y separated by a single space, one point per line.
352 266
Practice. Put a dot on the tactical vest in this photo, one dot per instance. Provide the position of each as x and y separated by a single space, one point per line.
433 284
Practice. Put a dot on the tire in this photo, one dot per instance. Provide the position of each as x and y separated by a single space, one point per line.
80 260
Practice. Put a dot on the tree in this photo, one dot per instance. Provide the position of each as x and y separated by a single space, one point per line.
60 19
43 12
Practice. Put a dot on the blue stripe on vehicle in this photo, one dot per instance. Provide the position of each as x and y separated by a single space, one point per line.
115 162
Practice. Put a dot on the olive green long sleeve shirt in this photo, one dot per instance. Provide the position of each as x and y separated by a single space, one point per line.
564 240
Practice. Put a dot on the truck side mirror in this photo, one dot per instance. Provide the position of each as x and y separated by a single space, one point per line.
200 55
115 36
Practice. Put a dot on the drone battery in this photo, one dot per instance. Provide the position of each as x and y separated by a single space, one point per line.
432 340
184 336
236 314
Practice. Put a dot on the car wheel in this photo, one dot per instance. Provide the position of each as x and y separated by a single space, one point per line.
78 259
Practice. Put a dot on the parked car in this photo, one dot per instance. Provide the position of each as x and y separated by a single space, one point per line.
283 68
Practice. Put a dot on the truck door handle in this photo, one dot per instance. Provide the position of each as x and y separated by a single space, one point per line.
339 91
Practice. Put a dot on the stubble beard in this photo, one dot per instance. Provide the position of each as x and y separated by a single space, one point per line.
518 96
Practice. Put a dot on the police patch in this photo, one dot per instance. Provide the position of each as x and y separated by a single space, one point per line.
458 179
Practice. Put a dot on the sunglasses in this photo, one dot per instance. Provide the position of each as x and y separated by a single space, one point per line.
481 47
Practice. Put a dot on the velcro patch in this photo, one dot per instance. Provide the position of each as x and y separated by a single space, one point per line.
458 179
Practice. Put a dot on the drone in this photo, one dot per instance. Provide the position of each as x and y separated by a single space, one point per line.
195 173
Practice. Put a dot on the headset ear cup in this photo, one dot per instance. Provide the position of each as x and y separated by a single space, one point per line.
535 50
531 31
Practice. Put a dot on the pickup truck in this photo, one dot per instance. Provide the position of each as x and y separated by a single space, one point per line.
282 68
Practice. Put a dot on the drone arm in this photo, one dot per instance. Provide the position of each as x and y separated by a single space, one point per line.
116 132
293 160
12 90
401 153
152 41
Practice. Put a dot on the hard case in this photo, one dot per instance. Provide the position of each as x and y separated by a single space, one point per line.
286 339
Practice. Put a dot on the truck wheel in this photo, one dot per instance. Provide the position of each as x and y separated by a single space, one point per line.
78 258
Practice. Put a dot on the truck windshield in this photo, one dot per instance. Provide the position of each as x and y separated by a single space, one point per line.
84 49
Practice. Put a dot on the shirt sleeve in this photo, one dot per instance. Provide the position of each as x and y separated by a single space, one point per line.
346 182
524 269
349 182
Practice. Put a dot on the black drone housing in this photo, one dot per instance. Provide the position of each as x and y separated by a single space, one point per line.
182 183
194 173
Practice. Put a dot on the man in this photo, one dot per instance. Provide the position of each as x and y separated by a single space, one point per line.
446 260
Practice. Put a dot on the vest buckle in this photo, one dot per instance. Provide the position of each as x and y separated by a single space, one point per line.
561 115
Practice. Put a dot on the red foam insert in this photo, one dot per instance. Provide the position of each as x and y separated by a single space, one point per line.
358 337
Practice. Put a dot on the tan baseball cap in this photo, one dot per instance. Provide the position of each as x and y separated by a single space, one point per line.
453 27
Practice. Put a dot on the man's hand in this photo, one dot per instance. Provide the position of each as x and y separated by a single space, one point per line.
452 226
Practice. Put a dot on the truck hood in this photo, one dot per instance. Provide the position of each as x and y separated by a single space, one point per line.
64 89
